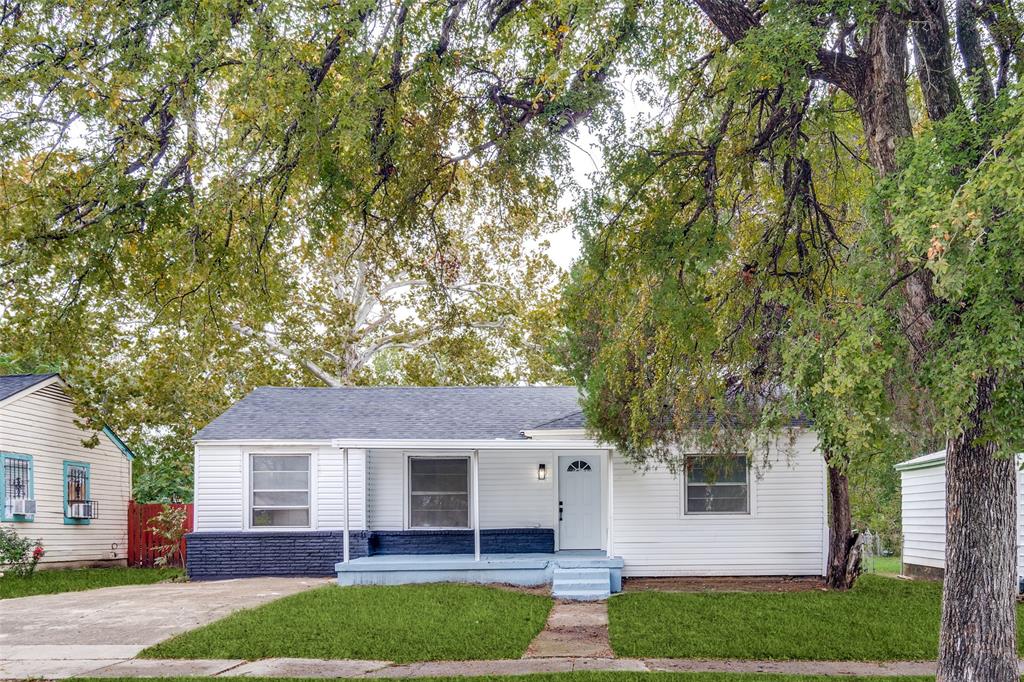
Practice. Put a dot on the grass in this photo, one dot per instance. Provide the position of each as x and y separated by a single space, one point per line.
78 579
583 676
884 565
401 624
880 619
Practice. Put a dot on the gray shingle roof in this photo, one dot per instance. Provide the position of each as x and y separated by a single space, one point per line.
450 413
16 383
573 420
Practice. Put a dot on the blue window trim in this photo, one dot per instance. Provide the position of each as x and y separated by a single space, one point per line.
28 518
88 476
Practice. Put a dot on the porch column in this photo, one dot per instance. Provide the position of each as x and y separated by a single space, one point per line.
476 504
611 505
344 475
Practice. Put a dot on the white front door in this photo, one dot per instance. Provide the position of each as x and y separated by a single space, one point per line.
579 502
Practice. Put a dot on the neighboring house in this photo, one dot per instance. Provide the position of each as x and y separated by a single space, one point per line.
490 484
923 484
71 497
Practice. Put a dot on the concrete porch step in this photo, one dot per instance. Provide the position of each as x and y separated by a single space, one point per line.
581 584
582 595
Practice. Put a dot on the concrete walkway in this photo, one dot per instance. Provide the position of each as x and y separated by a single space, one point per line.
53 668
573 629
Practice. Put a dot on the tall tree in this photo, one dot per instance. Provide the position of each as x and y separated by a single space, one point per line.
728 267
179 148
181 182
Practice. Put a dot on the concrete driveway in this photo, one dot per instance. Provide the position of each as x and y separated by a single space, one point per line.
118 622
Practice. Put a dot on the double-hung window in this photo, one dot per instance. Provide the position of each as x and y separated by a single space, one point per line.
280 491
439 492
16 486
717 484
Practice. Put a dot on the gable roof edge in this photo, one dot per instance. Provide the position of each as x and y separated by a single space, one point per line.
43 381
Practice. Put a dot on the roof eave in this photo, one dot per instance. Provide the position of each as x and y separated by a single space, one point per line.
463 444
928 461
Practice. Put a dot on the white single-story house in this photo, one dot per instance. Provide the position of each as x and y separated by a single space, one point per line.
923 487
490 484
72 498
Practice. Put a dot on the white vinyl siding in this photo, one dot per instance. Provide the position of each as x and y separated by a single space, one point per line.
41 423
924 517
511 496
330 483
785 533
219 488
222 493
385 489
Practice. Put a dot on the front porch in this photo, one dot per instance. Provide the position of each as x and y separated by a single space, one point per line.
521 512
573 574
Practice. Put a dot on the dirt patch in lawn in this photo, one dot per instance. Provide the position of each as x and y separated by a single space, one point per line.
737 584
540 590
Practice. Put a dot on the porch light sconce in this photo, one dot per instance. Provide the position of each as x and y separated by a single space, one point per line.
542 472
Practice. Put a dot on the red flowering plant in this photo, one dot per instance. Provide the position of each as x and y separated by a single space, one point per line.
19 556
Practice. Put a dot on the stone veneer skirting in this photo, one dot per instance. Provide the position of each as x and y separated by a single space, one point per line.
235 554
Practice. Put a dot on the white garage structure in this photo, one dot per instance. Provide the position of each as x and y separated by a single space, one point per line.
923 484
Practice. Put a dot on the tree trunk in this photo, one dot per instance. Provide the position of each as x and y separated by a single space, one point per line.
843 542
881 94
978 640
934 58
882 105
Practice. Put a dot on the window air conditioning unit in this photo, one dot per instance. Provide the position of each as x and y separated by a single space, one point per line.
23 506
87 509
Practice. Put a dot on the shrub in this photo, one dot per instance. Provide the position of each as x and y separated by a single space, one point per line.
19 555
169 527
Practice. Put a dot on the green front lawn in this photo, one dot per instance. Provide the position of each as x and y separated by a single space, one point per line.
401 624
880 619
884 565
78 579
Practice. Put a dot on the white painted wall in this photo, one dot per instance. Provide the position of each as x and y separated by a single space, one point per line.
222 485
42 424
785 533
924 517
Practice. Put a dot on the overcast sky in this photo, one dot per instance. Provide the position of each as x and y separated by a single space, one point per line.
586 158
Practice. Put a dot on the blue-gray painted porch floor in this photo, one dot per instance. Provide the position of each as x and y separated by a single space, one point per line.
514 569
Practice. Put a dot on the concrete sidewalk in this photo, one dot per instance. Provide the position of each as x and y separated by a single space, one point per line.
99 661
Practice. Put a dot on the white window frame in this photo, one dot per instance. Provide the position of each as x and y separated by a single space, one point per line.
685 481
407 489
250 491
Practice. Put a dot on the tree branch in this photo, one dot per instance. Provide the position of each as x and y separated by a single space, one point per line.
280 349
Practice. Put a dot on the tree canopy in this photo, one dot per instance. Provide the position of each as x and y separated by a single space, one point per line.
202 197
820 215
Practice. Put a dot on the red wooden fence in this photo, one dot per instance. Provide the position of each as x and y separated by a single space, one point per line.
142 542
